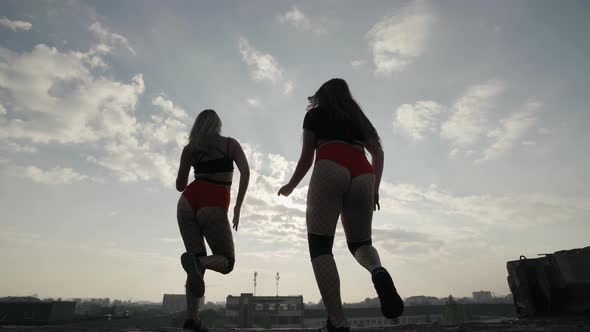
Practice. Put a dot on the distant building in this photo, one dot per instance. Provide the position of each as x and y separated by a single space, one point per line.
247 310
99 301
15 299
35 312
507 299
418 314
483 297
177 302
422 300
357 317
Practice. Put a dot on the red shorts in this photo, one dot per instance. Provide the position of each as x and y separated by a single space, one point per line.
201 193
345 154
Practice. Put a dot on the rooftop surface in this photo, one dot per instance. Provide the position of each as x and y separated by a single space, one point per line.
550 325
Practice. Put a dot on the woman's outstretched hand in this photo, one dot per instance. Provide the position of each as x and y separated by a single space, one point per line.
376 205
286 190
236 220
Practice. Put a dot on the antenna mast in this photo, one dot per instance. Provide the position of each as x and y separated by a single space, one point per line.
255 275
277 279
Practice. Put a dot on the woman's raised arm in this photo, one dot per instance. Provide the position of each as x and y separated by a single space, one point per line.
237 154
377 160
183 169
303 165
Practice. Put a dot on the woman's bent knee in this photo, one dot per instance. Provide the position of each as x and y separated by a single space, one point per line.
320 244
230 265
354 246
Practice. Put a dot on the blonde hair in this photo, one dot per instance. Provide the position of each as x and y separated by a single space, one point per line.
207 125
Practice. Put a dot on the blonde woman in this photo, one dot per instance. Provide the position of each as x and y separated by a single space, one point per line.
204 203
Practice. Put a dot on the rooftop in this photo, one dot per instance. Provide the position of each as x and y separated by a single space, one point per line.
581 324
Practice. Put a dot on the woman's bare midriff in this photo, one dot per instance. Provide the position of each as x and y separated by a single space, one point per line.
217 177
356 146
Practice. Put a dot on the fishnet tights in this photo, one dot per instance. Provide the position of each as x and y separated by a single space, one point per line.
332 193
329 181
192 305
368 257
210 224
357 217
215 262
326 276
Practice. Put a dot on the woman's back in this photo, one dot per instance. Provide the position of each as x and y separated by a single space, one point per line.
215 159
329 127
215 162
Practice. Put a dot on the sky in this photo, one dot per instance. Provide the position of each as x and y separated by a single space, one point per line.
482 108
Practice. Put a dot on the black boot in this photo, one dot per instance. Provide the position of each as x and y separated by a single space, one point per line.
392 305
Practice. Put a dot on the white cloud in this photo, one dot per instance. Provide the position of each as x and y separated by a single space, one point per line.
160 130
397 40
56 98
418 119
277 219
108 39
15 25
254 103
48 88
150 154
544 131
356 64
511 129
133 161
529 143
406 243
56 175
468 122
263 66
169 107
507 210
3 110
15 147
430 221
20 238
297 19
288 87
468 128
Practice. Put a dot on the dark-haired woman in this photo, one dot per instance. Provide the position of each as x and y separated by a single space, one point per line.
343 184
202 207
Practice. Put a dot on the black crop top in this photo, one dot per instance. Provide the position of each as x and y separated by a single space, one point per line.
218 165
325 128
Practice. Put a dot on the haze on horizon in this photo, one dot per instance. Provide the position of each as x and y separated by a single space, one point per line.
482 108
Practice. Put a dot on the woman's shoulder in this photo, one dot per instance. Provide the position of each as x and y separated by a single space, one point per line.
229 139
187 153
231 142
313 114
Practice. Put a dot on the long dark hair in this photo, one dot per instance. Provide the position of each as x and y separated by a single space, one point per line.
334 97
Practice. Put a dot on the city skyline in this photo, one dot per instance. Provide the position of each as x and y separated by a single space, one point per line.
482 110
411 300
